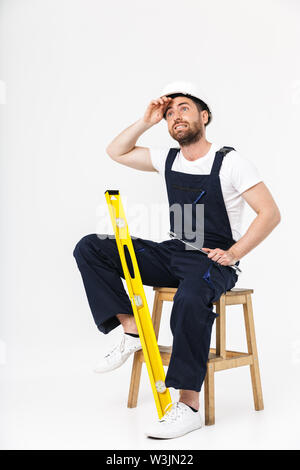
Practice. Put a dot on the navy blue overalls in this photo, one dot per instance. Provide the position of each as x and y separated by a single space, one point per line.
199 280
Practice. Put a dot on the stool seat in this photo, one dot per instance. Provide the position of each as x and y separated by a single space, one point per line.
233 291
219 357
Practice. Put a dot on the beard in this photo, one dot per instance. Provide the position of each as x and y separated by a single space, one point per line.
188 136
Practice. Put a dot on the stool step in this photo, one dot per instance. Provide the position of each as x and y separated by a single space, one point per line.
165 349
165 352
232 359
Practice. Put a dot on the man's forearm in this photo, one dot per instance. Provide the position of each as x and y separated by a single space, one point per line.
126 141
259 229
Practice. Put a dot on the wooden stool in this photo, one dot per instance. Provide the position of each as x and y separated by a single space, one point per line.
219 357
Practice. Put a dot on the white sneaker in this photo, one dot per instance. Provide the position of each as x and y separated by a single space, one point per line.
119 354
177 421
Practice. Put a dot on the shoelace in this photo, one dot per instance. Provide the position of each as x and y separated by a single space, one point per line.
120 347
175 412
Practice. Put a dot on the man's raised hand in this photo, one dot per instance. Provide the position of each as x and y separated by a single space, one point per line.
156 110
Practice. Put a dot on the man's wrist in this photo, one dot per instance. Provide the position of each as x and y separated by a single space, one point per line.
144 124
234 252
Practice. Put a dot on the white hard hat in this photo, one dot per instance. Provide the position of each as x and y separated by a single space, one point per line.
186 88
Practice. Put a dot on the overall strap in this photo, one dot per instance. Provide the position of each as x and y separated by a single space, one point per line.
220 154
170 158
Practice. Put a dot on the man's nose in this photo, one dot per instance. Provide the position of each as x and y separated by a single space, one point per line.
177 116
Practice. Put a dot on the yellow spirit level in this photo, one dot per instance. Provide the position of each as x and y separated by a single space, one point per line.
139 304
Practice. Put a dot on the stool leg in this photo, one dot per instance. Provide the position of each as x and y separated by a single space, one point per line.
135 381
209 395
252 349
156 313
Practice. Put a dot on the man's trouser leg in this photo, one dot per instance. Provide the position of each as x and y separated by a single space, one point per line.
192 317
99 262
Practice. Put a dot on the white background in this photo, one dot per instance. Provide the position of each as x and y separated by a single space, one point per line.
74 74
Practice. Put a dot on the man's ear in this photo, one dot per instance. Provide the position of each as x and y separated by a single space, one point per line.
204 116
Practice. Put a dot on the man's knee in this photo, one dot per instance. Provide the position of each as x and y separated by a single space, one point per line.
89 244
83 246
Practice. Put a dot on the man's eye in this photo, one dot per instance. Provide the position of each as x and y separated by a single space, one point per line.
184 107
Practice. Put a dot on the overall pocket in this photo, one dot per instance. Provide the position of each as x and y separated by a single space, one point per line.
218 280
199 192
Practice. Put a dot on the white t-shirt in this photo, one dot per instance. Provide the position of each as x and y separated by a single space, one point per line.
237 174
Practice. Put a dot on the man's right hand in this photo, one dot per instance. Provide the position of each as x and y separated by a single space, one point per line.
156 110
123 148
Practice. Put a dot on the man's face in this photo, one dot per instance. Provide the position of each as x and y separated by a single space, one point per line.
185 122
